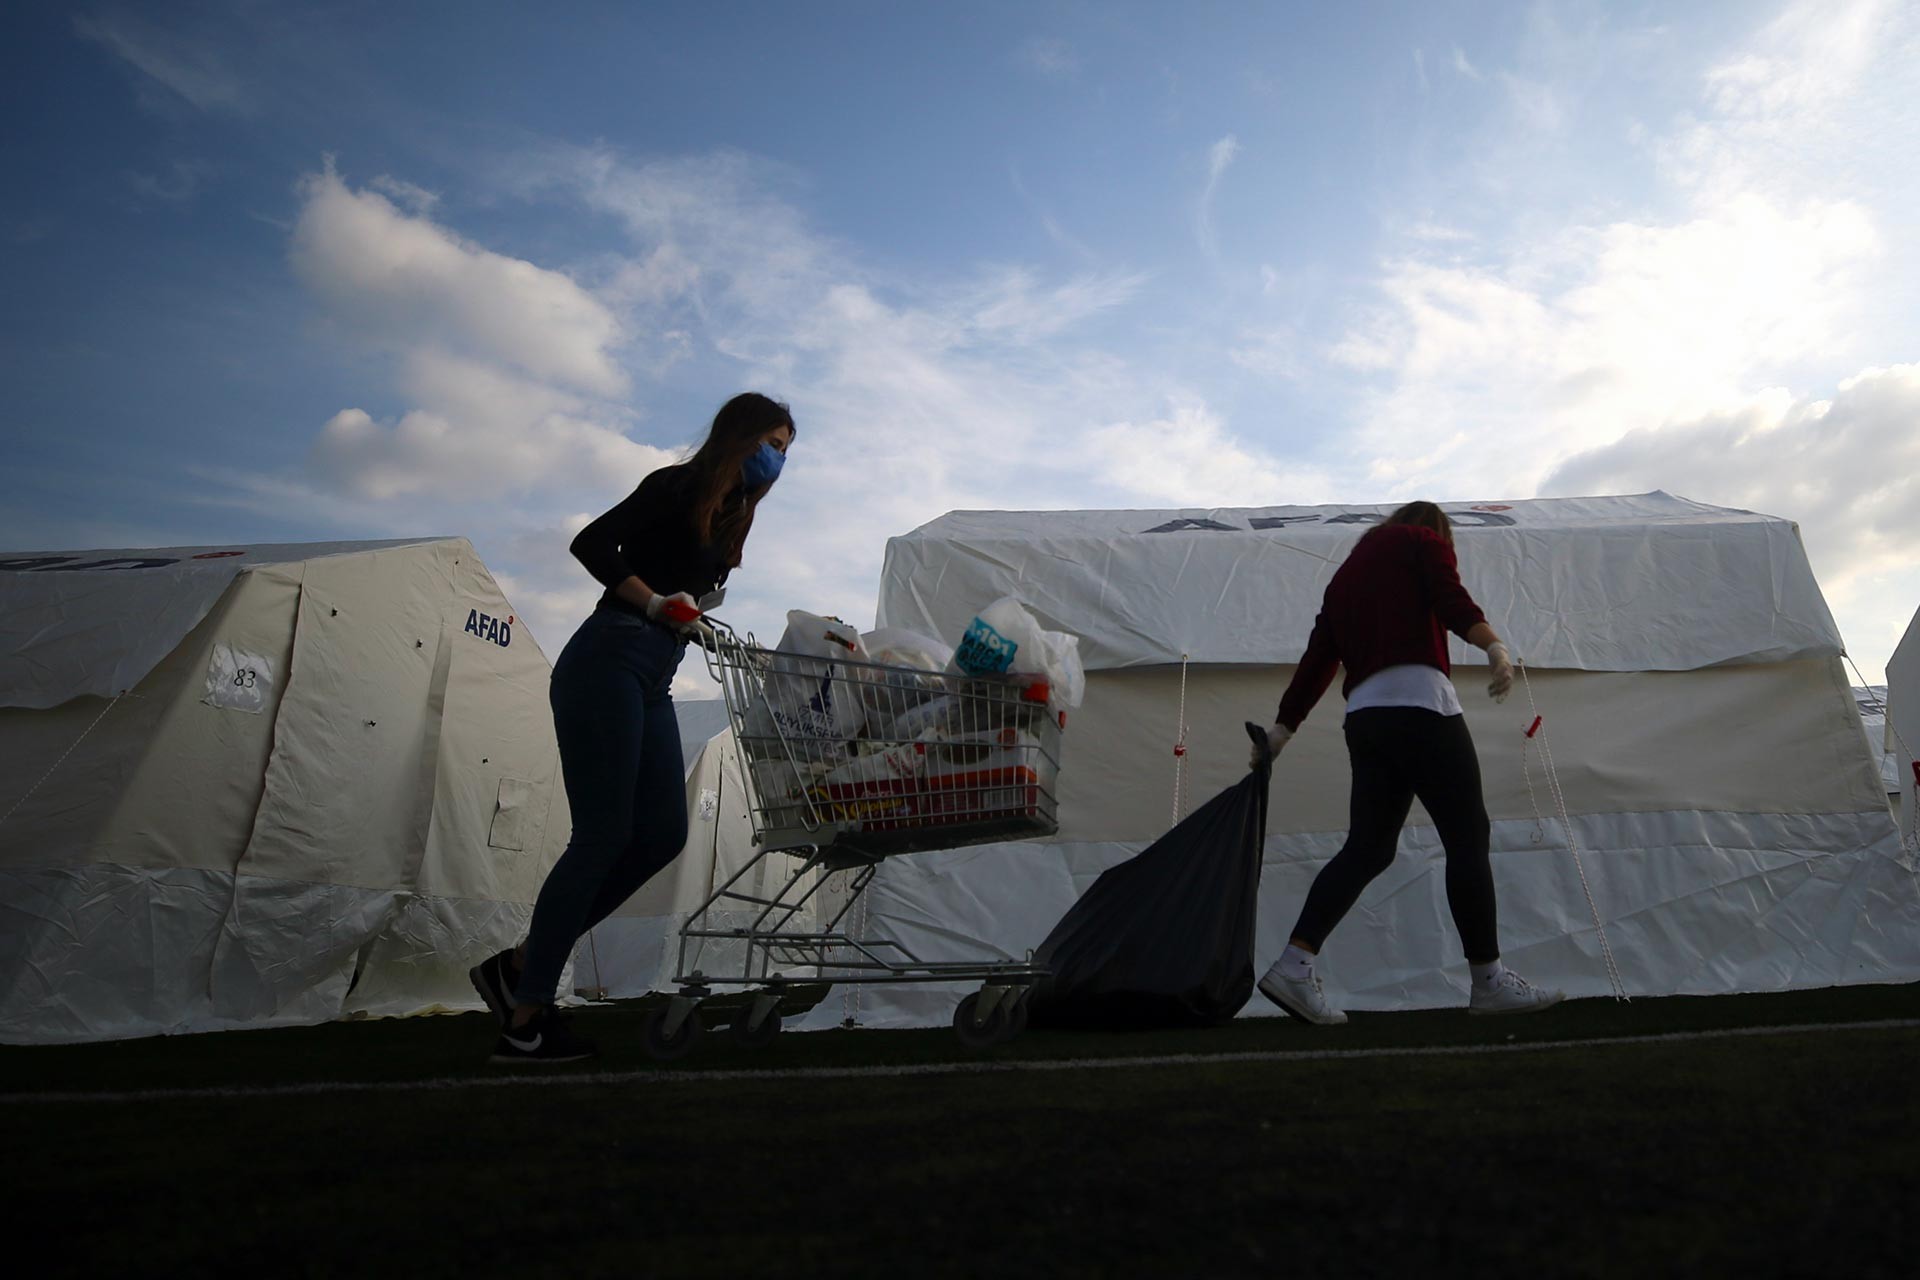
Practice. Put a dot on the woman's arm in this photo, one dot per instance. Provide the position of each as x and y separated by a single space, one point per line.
634 592
1481 636
1451 602
597 547
1310 679
1459 614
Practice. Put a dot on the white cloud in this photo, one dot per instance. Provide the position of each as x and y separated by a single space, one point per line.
188 71
913 397
1648 350
1847 470
1809 57
1016 306
415 198
507 365
1503 355
1538 106
1189 459
1498 371
1220 157
1047 57
178 185
1804 106
1464 67
481 432
412 281
1438 233
1048 223
1269 353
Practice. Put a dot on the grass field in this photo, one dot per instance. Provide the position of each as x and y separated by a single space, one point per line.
1751 1135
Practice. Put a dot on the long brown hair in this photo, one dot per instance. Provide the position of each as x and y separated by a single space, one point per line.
1424 515
722 506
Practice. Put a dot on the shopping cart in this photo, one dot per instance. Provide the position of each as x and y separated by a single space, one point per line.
848 763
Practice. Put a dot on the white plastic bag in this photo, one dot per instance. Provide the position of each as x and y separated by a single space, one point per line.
1006 639
899 647
901 763
914 676
805 723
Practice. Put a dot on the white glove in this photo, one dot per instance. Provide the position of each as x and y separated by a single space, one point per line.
1276 738
1500 670
688 626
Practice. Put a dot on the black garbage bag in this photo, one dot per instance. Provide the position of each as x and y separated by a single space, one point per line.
1165 939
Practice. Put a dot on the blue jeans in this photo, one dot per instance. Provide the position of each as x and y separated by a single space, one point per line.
620 760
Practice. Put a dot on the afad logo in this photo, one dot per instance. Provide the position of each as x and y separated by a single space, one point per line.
487 627
1486 515
69 564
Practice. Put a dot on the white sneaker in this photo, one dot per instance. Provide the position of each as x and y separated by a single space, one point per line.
1511 993
1300 998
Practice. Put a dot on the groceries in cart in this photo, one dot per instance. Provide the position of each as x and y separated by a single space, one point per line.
806 712
1006 639
859 748
896 731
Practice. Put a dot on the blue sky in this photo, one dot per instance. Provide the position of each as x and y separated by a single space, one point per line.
286 272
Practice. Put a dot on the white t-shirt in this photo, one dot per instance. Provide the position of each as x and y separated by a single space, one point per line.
1411 684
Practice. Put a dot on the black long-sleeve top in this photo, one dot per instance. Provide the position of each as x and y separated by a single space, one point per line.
650 535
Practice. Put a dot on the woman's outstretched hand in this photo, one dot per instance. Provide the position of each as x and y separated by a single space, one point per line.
679 613
1276 739
1500 670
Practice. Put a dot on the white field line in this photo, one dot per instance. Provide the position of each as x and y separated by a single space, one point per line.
580 1080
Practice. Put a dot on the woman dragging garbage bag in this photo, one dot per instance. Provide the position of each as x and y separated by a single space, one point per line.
667 545
1385 618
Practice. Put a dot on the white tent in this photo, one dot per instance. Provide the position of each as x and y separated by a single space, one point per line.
1730 819
261 785
1903 726
1871 700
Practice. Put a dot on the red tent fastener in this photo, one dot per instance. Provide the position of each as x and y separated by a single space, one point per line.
1534 727
1179 749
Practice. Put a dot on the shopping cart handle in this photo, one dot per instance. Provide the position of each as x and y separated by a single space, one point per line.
679 611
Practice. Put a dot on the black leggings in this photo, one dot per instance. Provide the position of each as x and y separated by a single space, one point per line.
1399 753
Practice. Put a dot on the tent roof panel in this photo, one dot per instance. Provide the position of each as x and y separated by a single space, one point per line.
74 623
1633 583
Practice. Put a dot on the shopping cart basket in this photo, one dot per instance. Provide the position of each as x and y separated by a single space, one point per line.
848 763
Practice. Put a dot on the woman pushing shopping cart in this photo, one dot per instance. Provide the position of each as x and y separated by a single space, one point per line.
668 544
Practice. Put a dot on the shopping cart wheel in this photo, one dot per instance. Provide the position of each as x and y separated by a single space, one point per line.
976 1032
665 1045
1016 1013
752 1037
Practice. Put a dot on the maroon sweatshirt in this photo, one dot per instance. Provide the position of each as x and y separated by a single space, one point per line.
1392 602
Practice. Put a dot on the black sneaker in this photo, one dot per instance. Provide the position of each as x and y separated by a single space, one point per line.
493 978
547 1039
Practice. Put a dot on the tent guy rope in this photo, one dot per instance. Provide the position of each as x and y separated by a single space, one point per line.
111 704
1180 751
1536 734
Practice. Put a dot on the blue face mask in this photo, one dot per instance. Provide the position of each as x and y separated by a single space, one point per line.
763 468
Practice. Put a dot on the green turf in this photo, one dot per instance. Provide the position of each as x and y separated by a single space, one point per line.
1771 1155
